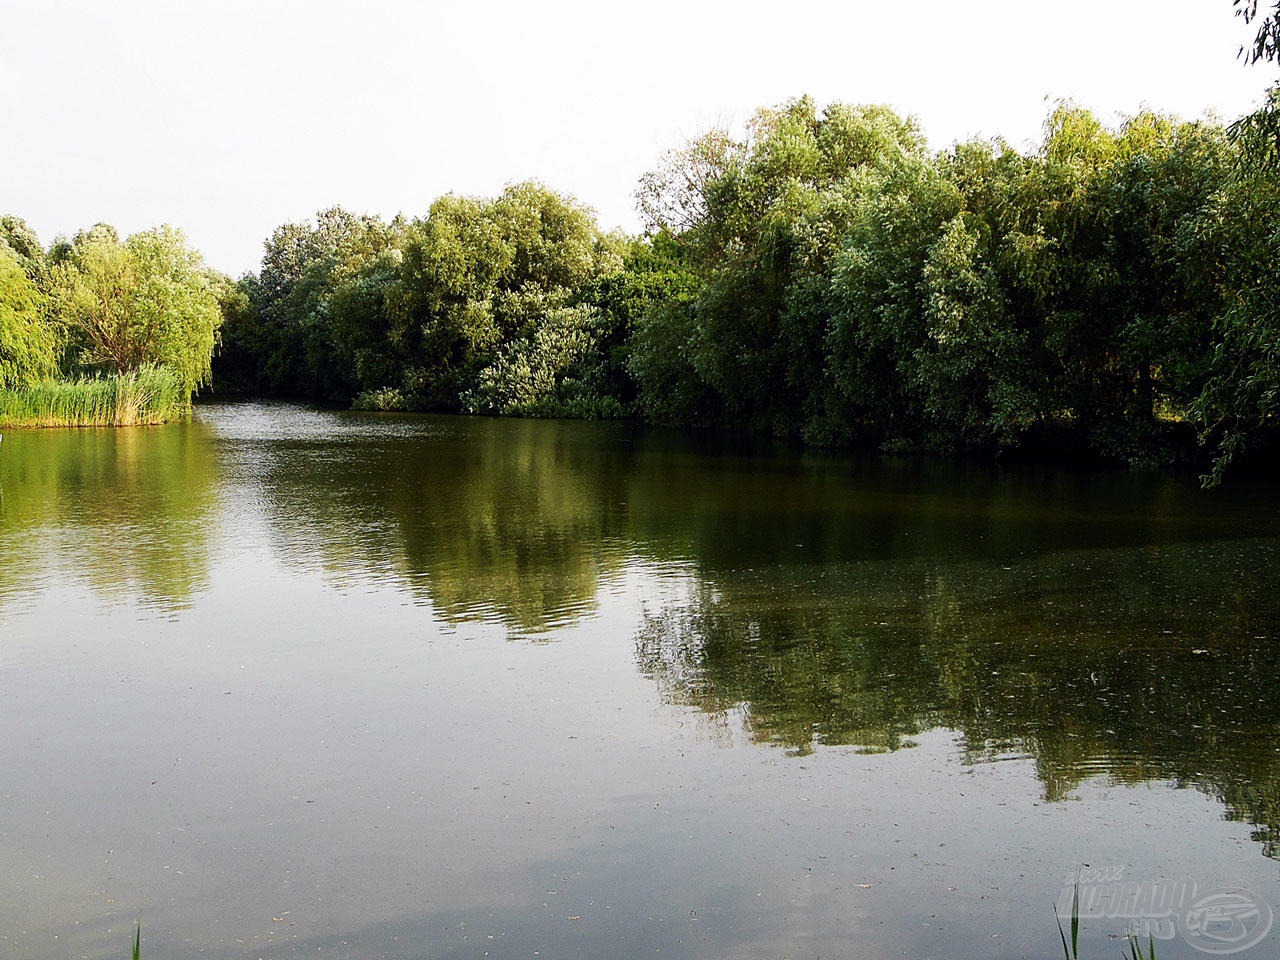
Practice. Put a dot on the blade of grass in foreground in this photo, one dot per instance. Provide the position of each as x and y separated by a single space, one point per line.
1072 953
1135 948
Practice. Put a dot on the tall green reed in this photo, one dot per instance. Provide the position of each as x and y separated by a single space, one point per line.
1071 950
149 394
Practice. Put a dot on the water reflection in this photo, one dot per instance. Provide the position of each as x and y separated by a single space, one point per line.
519 522
128 511
1113 625
329 703
1102 625
1135 663
496 521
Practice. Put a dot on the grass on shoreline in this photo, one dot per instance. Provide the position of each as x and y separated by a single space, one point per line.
151 394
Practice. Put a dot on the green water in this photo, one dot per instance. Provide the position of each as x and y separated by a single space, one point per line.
289 683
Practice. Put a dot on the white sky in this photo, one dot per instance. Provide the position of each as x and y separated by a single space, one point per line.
229 118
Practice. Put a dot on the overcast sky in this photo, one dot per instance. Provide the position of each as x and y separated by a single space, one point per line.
229 118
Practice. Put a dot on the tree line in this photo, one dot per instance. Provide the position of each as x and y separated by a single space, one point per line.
822 276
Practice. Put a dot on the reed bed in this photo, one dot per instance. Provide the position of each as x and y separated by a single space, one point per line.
149 394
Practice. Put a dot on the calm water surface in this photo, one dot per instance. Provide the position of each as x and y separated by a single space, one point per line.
285 683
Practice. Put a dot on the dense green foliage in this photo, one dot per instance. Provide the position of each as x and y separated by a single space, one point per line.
826 277
482 305
27 343
99 331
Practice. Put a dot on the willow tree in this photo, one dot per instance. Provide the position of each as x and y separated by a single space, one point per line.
148 300
1238 240
1258 133
28 347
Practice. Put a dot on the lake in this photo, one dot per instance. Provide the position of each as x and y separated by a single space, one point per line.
282 682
